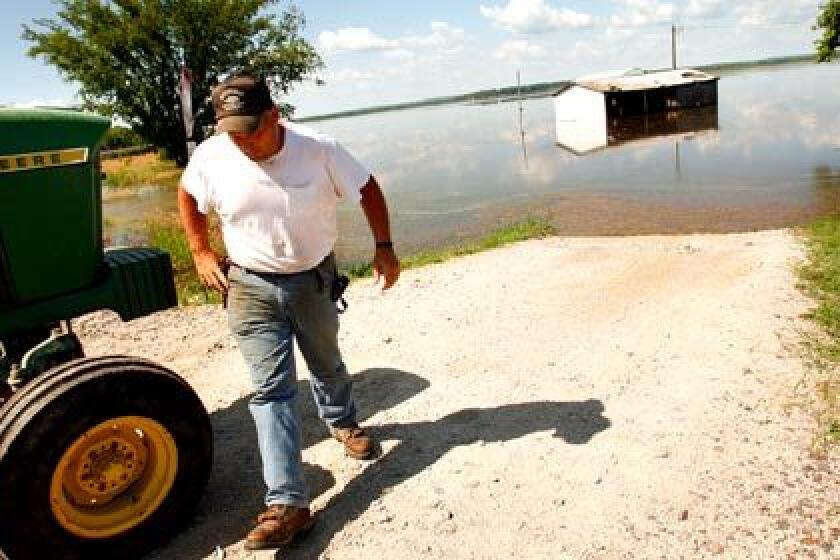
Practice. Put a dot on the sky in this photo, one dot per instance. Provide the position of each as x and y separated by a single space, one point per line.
377 52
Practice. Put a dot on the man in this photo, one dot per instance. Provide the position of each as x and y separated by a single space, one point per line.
275 187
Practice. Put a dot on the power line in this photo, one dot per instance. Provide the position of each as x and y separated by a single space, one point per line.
732 25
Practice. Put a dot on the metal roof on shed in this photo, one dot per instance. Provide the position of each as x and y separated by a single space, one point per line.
647 80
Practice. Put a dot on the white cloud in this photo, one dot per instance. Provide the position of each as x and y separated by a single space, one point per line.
347 75
619 33
518 50
403 67
635 13
400 54
417 67
583 50
533 16
442 36
353 39
705 8
760 12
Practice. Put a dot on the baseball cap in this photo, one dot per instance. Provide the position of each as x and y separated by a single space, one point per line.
239 102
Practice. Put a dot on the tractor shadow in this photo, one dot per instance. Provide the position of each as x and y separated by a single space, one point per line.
421 444
235 493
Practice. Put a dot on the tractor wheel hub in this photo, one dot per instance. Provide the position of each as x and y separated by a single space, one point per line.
113 477
112 459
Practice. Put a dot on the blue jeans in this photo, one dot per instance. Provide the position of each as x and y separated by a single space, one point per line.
267 313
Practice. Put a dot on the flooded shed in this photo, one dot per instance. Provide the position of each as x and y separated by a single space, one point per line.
589 107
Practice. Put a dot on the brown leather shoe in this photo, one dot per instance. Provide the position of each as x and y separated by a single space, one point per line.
357 444
278 526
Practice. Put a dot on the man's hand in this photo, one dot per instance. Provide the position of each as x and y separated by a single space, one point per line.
210 272
385 263
207 262
386 266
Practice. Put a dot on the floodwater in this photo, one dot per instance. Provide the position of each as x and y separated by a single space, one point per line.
767 156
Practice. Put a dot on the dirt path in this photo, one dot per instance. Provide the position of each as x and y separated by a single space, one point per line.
560 398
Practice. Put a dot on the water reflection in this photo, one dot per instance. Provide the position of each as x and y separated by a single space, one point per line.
826 185
767 157
522 135
612 132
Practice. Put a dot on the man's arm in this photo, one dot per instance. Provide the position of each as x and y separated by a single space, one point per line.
385 262
195 227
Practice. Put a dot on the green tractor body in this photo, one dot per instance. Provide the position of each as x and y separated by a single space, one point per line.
53 268
52 262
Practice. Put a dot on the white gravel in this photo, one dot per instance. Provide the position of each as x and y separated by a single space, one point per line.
559 398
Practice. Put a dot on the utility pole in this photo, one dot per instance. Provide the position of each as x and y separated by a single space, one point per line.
673 46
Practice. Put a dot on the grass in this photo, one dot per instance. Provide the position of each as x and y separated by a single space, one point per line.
828 436
169 236
820 278
529 228
135 171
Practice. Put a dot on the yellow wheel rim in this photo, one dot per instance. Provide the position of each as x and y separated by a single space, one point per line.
113 477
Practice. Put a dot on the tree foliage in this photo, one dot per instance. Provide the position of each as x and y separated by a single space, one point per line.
126 55
829 21
119 137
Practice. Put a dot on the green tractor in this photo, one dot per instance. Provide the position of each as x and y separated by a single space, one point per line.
100 457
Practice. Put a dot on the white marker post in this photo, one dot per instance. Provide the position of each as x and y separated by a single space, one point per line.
186 108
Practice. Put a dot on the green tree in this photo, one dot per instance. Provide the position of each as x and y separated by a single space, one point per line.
119 137
126 55
829 21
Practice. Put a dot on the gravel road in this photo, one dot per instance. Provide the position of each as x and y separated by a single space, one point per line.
626 397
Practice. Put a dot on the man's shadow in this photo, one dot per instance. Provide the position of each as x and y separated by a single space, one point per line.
421 444
236 490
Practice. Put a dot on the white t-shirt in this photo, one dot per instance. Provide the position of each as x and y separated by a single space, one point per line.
277 215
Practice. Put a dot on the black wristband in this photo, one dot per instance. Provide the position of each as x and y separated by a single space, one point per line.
384 244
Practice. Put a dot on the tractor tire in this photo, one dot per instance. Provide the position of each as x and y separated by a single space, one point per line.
100 458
